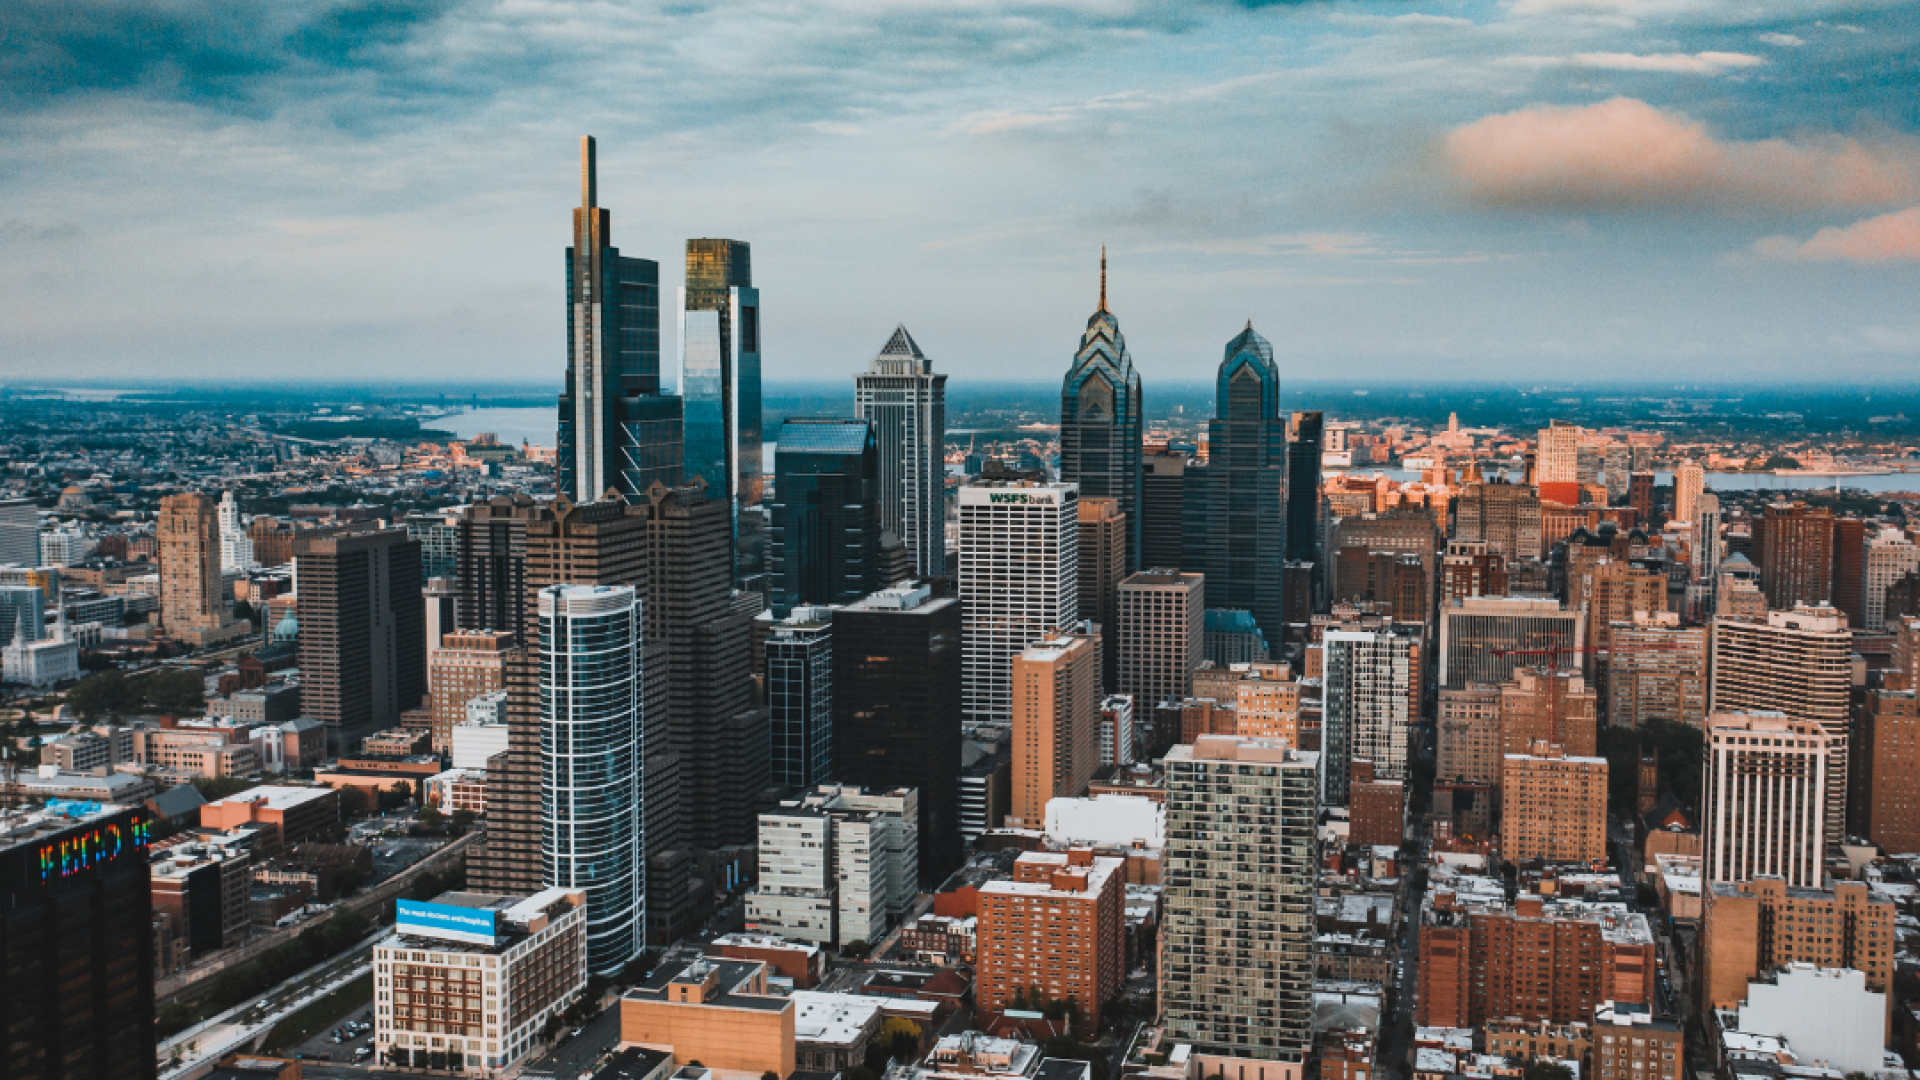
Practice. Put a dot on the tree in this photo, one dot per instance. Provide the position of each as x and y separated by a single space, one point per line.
177 692
105 694
430 817
463 820
855 949
1544 1069
353 802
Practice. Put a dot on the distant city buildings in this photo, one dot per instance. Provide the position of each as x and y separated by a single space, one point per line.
905 401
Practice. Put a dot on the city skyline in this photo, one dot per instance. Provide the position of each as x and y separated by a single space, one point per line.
1453 190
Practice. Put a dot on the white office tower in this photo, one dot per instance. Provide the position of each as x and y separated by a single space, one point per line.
1365 708
1558 458
1765 799
236 545
906 403
1890 556
19 532
1019 579
837 865
1707 546
1689 481
1237 940
591 774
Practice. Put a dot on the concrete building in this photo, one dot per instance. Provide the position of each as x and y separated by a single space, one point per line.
477 740
1469 741
466 983
204 889
1826 1015
1559 708
1553 807
1889 556
1557 457
1365 707
717 1012
19 532
363 646
1236 973
289 814
1103 566
1503 516
1475 630
1058 926
1116 724
1056 741
1161 634
1763 799
1753 927
838 865
1019 579
1689 480
465 664
906 402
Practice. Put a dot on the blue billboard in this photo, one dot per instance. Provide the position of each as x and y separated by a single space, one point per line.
450 922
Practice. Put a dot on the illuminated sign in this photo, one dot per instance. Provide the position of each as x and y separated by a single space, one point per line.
448 921
1019 497
93 847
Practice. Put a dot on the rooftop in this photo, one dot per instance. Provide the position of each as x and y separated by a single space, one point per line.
839 1019
278 797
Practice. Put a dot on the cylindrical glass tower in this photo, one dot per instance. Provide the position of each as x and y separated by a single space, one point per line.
591 790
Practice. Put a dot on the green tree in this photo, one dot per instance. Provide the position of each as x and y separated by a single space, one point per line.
1543 1069
177 692
105 694
430 817
463 820
353 802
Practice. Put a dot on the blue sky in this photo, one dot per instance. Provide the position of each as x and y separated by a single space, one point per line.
1578 189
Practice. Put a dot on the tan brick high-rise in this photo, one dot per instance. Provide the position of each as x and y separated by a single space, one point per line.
1058 927
1553 806
466 664
1056 744
1751 928
1890 734
190 595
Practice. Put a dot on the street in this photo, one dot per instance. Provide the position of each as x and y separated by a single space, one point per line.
577 1054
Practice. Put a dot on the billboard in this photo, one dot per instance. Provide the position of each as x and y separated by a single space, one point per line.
449 922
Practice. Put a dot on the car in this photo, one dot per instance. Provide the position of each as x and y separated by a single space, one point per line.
363 1053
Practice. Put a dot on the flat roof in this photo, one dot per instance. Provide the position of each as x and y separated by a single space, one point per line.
833 1018
633 1063
278 797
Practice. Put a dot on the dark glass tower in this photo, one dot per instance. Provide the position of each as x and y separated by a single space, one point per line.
617 430
1303 488
1236 521
825 537
1100 425
720 376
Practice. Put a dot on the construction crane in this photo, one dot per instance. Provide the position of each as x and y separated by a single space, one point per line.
1554 653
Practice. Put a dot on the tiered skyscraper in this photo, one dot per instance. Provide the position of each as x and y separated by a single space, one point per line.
906 403
1100 419
720 378
1236 516
617 430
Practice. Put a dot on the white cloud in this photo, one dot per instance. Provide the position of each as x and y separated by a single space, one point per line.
1701 63
1784 41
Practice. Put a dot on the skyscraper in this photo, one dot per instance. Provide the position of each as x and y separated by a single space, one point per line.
490 560
191 600
617 432
1103 564
1889 556
1237 959
1019 579
1689 480
1100 419
1236 513
1763 805
906 403
592 769
1163 507
1794 543
800 697
1161 636
720 377
824 541
236 547
1553 806
19 532
1365 710
363 631
1557 460
1056 701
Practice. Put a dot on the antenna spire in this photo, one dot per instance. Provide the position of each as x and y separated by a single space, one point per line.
1103 277
589 195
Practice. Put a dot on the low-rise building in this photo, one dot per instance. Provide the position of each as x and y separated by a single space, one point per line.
837 865
832 1031
290 814
1630 1043
95 785
458 789
204 889
717 1012
805 964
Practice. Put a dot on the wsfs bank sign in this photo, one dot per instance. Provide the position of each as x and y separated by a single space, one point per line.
1021 498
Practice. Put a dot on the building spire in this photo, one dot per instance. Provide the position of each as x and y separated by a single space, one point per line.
1103 277
589 196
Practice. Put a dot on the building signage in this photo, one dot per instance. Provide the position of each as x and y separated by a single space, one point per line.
95 847
1041 498
450 922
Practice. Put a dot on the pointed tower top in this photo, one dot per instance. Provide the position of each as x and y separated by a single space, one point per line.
589 195
1103 277
1249 324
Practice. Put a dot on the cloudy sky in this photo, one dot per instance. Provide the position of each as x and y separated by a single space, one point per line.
1448 189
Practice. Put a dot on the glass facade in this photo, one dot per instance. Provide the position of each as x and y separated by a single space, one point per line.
1100 420
824 542
720 376
800 698
592 792
906 403
1236 523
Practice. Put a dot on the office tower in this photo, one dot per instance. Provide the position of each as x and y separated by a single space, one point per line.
1890 754
77 943
23 613
1763 798
1658 671
1236 507
1557 461
837 865
1237 937
439 534
1504 516
1469 745
1476 632
1849 568
1019 579
1059 926
441 598
467 664
1056 744
1100 419
490 563
1689 481
800 698
1103 564
1750 928
363 633
1116 730
1557 707
824 543
1889 556
617 431
236 547
1365 707
19 532
720 376
721 737
1706 537
1163 507
192 600
896 716
1553 806
1303 488
1799 663
592 768
906 403
1794 545
1161 634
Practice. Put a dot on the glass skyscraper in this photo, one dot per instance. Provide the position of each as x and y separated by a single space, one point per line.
617 430
1236 521
592 795
825 535
907 405
720 378
1100 419
800 697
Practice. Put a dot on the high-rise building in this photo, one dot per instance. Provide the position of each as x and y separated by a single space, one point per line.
1794 545
1736 590
1163 507
1535 959
1237 936
1393 582
837 865
1161 634
1556 707
1689 481
1657 671
1471 568
800 698
1019 579
896 718
1799 663
1889 556
1890 754
192 600
1236 507
1557 460
1504 516
441 598
1303 487
1364 711
1103 564
1612 591
1056 743
19 532
490 560
592 766
1749 928
363 633
1553 806
23 613
906 402
1480 636
1100 419
1057 926
1763 798
720 373
467 664
1849 568
1707 542
236 547
824 540
1469 745
617 431
77 943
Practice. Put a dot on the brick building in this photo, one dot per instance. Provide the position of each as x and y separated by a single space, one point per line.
1059 926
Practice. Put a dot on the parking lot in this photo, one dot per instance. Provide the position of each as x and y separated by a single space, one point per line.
322 1047
391 855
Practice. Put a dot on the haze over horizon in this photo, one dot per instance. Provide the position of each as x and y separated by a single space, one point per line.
1542 191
